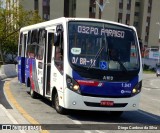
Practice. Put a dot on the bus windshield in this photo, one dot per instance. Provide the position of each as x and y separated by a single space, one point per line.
103 46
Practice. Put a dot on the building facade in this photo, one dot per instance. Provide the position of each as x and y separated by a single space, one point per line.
143 14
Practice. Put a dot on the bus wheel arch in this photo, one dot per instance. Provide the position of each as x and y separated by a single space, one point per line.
55 102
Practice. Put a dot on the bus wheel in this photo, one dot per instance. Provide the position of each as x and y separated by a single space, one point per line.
57 107
116 113
32 93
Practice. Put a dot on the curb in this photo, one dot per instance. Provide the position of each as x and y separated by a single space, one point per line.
2 76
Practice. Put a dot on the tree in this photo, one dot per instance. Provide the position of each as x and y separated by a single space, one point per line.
12 18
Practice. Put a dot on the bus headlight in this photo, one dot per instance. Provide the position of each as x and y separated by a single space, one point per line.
72 84
137 88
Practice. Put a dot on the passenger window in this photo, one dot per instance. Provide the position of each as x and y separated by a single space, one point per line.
40 45
31 49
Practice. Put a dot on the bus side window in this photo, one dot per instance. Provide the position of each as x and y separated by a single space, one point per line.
40 46
34 36
32 47
28 44
20 44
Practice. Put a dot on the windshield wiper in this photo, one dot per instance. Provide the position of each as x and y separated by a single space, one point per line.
101 49
96 56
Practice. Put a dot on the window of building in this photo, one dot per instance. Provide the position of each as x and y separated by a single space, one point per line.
137 4
127 21
136 24
36 5
119 20
149 3
136 14
128 4
46 9
120 4
120 1
120 17
92 9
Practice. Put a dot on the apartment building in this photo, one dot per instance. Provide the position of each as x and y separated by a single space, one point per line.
143 14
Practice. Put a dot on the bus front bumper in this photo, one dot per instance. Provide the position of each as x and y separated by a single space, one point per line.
76 101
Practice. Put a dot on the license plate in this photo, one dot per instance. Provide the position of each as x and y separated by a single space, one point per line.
107 103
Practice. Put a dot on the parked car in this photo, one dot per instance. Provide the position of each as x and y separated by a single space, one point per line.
158 71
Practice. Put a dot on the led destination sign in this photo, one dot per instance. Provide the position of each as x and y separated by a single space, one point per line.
101 31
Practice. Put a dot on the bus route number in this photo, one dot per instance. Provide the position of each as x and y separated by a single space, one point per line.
83 61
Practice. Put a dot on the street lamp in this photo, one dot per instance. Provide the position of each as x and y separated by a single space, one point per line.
102 6
158 42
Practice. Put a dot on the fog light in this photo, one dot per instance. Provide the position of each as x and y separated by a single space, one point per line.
74 103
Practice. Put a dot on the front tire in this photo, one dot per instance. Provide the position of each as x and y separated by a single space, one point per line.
58 108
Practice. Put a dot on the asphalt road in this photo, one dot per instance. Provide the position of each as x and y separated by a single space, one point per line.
3 99
40 109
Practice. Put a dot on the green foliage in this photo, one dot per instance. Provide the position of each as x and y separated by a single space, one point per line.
145 67
12 19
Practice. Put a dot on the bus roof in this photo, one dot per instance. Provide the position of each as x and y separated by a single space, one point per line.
64 19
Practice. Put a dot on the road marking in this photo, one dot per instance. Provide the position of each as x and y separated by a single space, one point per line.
146 89
148 115
99 131
78 122
19 108
156 100
152 83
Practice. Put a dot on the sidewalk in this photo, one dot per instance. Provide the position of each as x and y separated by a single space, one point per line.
6 119
11 118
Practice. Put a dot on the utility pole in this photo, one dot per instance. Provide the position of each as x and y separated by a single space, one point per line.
101 6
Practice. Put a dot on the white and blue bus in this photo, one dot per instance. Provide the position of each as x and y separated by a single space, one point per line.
82 64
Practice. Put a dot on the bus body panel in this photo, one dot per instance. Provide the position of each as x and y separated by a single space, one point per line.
105 88
33 75
21 69
27 70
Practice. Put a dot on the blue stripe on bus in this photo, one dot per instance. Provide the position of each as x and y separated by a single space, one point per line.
113 89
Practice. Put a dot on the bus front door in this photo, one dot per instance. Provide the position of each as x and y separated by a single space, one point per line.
47 66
